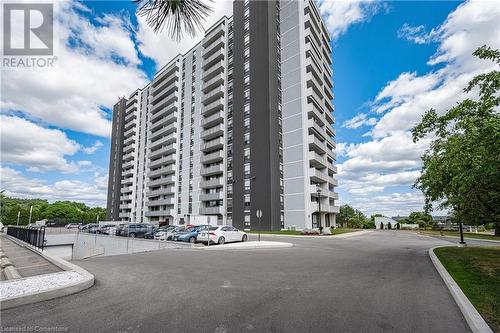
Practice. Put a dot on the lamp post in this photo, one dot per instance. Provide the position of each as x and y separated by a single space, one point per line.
461 234
318 190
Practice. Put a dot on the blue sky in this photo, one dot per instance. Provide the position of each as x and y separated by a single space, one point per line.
391 62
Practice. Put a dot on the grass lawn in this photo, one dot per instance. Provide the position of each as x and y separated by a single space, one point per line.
477 271
337 231
457 234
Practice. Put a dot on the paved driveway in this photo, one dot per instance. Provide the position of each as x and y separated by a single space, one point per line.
380 281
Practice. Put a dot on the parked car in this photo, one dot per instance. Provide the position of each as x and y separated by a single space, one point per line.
151 233
167 233
72 225
104 229
136 229
222 234
191 234
90 228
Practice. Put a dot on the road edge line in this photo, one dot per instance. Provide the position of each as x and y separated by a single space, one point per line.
475 321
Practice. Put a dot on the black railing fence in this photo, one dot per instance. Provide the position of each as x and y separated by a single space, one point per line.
31 235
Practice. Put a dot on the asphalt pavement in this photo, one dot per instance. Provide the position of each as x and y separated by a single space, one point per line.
382 281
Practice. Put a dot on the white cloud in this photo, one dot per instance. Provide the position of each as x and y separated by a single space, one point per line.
391 161
161 48
36 147
89 75
416 34
92 149
339 15
16 185
359 120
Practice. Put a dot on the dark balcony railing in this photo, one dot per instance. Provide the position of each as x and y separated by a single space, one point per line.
34 236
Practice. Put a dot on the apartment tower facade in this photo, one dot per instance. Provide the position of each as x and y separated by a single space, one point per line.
238 124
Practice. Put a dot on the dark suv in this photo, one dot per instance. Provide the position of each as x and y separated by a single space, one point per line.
136 229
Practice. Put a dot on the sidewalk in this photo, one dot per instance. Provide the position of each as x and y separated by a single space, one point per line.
26 261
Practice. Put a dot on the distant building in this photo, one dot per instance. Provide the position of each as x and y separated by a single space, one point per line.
382 222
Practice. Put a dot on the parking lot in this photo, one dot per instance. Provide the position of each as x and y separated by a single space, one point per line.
379 281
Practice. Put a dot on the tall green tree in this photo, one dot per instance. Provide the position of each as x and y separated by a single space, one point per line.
461 169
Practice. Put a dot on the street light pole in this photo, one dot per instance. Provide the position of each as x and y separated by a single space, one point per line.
31 211
318 190
461 234
18 216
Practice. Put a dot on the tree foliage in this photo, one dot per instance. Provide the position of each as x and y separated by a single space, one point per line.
461 169
352 218
179 16
64 211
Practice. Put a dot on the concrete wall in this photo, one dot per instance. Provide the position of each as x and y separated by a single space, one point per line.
89 245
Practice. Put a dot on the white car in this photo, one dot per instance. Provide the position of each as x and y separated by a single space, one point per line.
167 233
222 234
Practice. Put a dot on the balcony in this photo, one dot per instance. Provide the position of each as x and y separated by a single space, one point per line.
216 56
163 131
213 107
212 170
160 202
162 191
212 35
165 150
316 160
129 140
165 107
213 82
317 176
330 119
126 189
212 157
127 181
212 145
162 161
169 93
165 100
328 105
334 195
211 196
165 74
126 206
162 181
333 168
128 172
127 149
214 70
162 171
312 125
128 157
160 85
333 181
217 92
161 212
213 132
313 190
211 210
167 120
217 182
163 141
124 215
212 120
129 133
316 144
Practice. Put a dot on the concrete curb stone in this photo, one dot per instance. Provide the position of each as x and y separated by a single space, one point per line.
476 323
86 282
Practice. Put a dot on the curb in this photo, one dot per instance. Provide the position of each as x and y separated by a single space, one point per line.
86 282
476 323
226 247
344 235
465 238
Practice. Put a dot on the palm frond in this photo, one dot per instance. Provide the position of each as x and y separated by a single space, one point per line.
178 16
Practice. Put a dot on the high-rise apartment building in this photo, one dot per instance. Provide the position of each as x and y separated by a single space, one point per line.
240 123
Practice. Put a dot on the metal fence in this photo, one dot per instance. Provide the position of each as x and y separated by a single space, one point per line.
32 236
